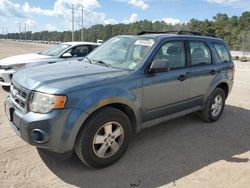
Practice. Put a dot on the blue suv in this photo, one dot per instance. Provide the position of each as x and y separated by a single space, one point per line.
94 106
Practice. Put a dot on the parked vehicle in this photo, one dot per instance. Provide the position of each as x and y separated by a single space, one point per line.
93 107
61 52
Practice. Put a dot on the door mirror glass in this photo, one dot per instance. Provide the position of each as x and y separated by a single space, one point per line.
67 55
159 65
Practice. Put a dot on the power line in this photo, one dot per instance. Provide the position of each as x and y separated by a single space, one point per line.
82 26
20 33
2 33
6 33
25 33
73 22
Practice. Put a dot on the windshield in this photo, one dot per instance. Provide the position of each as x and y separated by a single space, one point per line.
55 50
124 52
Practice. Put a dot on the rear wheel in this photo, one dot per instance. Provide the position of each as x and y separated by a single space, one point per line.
104 138
214 106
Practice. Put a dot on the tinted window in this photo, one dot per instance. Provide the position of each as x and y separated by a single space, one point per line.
200 53
223 53
92 47
174 53
79 51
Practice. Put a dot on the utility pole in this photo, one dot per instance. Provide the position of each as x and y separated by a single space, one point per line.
20 33
3 32
25 34
73 22
6 32
82 26
243 45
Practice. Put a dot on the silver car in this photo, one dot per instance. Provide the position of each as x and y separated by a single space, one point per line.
60 52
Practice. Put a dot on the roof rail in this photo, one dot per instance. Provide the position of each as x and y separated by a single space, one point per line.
156 32
178 33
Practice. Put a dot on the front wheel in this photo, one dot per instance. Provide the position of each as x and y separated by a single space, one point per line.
104 138
214 106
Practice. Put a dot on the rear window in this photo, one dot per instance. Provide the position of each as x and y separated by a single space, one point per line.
222 52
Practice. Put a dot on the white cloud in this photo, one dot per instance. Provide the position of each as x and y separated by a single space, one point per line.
133 18
242 4
61 8
37 10
50 27
171 21
223 1
138 3
31 23
9 9
110 21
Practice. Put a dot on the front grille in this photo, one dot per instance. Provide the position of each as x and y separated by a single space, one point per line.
19 96
1 79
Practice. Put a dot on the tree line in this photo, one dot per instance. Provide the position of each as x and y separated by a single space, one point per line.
234 30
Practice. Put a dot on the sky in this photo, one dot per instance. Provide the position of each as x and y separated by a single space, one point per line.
56 15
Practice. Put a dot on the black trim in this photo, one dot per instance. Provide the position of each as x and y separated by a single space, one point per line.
172 108
178 33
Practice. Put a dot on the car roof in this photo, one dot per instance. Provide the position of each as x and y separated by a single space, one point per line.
160 36
80 43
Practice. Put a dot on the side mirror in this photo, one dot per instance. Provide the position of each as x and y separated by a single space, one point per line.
159 65
67 55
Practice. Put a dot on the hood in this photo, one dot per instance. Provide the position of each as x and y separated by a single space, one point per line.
59 77
20 59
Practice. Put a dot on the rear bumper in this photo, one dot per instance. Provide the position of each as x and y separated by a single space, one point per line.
5 77
55 131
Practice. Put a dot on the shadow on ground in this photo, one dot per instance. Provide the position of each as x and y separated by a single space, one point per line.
165 153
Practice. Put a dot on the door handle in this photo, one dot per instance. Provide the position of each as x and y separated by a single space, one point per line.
213 72
182 77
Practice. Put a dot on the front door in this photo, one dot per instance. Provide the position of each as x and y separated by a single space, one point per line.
165 93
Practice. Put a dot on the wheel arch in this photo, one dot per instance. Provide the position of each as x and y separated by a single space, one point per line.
225 87
222 84
125 108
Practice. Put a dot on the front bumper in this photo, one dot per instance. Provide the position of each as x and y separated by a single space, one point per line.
59 127
6 76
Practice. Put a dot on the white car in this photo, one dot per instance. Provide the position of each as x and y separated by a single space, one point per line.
57 53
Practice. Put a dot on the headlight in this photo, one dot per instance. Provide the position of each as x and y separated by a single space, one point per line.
18 66
44 103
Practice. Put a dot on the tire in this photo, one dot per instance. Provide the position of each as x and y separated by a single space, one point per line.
214 106
6 88
104 138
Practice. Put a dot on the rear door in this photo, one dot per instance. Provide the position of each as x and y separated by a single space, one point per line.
203 69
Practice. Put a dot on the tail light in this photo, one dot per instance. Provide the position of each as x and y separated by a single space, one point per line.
233 72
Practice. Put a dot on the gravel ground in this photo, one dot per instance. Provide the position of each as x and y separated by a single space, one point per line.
184 152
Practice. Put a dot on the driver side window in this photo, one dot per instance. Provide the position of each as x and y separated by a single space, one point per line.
79 51
174 53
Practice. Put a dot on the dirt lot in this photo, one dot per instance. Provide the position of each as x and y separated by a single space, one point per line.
184 152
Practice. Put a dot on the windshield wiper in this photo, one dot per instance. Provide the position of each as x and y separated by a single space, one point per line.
101 62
